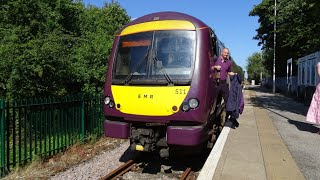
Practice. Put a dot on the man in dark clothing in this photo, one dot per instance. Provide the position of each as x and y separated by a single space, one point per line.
222 68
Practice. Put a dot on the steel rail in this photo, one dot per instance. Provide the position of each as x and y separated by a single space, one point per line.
188 175
119 171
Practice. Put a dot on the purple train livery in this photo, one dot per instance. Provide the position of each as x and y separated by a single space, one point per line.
159 89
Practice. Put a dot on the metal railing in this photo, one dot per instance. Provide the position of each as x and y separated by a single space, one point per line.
45 126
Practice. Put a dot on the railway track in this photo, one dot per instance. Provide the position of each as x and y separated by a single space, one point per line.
120 171
188 174
116 174
191 165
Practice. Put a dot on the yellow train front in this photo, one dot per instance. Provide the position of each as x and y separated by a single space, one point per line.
159 90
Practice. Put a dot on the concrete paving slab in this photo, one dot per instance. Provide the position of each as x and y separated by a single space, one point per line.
278 161
299 136
255 150
242 157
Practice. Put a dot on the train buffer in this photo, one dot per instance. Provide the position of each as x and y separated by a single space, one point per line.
256 149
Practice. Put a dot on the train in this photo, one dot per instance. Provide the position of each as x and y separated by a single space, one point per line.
159 90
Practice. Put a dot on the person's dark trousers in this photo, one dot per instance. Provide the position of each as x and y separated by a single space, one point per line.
223 91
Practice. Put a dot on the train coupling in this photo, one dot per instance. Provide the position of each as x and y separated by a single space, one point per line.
164 153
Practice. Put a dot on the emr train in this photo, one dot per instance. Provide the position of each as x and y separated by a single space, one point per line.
159 89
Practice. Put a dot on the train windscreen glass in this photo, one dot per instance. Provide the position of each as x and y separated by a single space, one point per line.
155 58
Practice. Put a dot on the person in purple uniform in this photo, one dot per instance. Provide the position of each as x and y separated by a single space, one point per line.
222 68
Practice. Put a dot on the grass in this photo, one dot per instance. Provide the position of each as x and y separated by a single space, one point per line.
47 144
45 168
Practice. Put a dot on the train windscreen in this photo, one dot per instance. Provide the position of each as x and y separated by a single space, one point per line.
158 57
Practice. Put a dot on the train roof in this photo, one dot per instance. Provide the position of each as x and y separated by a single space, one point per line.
166 16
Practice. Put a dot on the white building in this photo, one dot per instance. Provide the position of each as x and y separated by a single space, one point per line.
307 74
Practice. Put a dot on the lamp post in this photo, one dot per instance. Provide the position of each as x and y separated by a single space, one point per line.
274 47
261 68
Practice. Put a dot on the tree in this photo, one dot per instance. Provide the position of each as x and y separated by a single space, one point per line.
298 23
90 56
34 49
55 47
237 69
255 65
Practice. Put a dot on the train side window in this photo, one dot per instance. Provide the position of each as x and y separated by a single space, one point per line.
214 44
218 50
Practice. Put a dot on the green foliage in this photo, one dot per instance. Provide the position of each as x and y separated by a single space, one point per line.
237 69
298 23
55 47
90 56
37 67
255 65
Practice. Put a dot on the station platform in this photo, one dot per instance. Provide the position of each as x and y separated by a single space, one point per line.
254 150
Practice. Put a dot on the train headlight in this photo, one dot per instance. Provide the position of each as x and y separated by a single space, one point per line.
185 107
107 100
111 104
193 103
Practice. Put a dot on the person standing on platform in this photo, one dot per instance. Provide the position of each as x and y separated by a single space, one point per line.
222 68
313 115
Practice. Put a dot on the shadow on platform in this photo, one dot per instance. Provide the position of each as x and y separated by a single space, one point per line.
303 126
279 102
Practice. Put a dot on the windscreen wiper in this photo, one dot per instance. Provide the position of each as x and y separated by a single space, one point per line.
128 78
164 72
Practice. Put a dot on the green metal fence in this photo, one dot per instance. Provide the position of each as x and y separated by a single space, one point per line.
45 126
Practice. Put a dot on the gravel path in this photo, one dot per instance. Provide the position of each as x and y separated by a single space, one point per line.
99 166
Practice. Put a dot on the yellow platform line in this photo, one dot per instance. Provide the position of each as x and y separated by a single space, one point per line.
278 161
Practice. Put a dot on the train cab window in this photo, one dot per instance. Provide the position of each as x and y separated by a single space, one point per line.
132 52
154 55
176 52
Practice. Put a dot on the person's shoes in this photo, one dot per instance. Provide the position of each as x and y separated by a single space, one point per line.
235 123
232 126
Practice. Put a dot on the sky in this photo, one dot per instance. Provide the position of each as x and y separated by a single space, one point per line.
228 18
